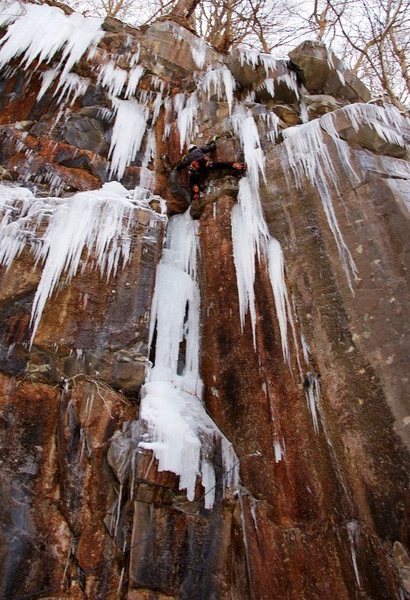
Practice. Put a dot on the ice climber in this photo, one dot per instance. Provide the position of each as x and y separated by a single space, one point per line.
199 164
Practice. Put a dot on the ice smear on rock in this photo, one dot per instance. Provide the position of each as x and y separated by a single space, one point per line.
88 227
178 430
38 32
312 392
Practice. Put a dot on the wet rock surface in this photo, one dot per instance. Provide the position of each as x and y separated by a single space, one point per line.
320 511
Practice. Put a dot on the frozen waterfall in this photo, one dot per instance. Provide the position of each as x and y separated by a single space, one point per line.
176 427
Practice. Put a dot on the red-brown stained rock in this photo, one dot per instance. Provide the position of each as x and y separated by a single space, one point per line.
295 512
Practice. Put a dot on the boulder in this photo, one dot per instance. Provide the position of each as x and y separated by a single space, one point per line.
369 136
320 104
85 132
323 73
288 114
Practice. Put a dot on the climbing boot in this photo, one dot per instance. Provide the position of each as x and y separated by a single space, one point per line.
196 208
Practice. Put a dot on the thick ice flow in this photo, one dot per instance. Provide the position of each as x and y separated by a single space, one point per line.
177 428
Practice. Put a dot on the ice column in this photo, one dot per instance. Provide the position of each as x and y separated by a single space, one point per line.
175 425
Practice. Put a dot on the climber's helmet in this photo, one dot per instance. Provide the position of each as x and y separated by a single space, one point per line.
191 147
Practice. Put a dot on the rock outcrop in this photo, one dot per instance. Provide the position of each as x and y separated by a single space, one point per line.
268 339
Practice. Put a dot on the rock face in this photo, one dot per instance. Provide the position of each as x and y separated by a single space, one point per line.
303 366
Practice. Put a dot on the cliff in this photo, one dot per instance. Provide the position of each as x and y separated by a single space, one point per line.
211 408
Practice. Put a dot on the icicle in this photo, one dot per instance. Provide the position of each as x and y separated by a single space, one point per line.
71 84
250 236
304 114
168 118
269 85
112 78
177 428
290 80
312 392
272 125
48 77
245 127
244 259
249 57
156 107
249 233
134 77
15 233
268 62
38 32
185 118
134 58
147 179
213 81
98 221
199 49
277 448
353 530
307 154
280 293
387 121
127 134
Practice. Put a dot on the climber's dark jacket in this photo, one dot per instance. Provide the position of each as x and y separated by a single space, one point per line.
196 154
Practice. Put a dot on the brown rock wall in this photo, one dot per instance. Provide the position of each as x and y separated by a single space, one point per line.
317 515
